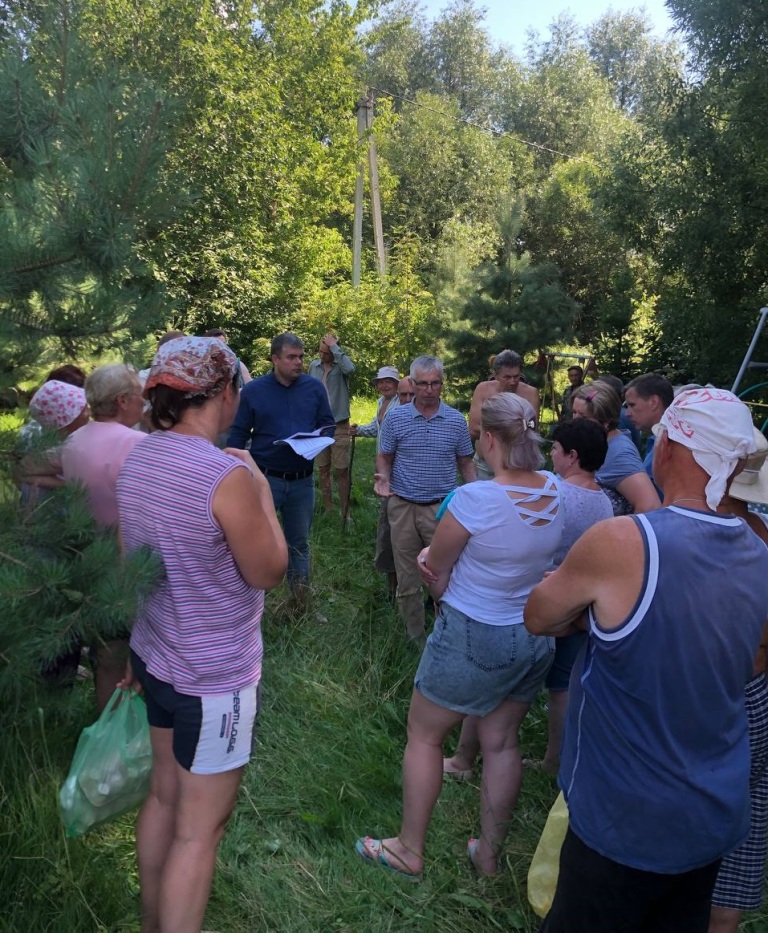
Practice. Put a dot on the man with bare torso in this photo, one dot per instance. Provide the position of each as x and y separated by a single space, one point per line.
507 371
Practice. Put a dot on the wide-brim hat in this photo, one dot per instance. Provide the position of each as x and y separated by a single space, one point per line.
751 485
386 372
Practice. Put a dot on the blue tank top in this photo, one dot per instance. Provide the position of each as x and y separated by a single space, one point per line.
655 759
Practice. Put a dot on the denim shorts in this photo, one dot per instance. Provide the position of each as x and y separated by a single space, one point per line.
472 667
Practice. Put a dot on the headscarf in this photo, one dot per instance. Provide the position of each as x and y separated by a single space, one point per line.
196 366
717 428
57 404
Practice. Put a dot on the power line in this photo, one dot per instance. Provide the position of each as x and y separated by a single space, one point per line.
483 129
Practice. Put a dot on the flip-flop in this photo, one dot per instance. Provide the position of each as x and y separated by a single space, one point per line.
472 845
368 844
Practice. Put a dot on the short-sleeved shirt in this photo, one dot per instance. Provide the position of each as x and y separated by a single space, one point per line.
621 461
93 456
505 556
582 508
425 450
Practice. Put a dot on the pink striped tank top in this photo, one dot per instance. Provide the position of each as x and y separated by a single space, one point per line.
200 629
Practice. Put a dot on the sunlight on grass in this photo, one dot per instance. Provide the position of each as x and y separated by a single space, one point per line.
336 687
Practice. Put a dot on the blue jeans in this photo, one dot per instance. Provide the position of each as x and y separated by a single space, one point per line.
295 501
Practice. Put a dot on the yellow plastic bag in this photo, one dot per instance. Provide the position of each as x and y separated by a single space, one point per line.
542 875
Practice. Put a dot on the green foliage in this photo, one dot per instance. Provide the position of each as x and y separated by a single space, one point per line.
62 584
85 189
512 302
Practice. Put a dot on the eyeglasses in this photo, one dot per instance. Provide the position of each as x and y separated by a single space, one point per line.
406 394
420 384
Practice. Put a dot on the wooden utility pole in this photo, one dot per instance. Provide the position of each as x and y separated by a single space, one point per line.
364 111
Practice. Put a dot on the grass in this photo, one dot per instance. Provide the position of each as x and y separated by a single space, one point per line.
336 687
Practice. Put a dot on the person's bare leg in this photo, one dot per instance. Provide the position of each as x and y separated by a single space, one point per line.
205 803
343 484
502 777
324 475
558 706
724 920
467 749
428 725
155 826
109 669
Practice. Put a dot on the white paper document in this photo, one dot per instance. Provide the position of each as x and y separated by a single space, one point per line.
307 444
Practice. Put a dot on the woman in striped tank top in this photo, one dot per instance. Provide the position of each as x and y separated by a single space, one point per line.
196 645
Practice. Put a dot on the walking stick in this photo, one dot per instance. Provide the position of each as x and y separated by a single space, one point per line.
345 516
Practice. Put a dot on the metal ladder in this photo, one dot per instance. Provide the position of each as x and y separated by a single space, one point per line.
748 363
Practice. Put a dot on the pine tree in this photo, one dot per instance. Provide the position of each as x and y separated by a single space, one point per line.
511 303
84 191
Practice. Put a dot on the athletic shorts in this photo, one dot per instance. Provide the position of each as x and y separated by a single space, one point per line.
211 734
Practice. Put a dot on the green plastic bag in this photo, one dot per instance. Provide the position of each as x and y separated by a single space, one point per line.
111 768
545 866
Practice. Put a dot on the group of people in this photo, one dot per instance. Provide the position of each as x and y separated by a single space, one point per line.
659 611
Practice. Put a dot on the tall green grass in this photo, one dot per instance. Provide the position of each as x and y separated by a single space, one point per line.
336 687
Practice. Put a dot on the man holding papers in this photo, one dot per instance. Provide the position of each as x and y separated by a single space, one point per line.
273 408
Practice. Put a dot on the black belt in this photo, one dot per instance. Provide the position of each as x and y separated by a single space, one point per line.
414 502
286 474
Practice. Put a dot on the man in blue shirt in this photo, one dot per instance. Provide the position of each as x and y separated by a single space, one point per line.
272 408
646 399
422 445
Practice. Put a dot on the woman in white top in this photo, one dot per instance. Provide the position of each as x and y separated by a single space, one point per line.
490 549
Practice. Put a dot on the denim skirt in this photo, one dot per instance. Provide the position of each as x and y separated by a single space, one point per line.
472 667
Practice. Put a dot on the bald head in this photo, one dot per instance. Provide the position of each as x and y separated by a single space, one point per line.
406 390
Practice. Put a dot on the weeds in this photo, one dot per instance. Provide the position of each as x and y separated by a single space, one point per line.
336 687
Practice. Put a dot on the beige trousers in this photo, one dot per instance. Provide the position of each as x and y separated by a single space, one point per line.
411 527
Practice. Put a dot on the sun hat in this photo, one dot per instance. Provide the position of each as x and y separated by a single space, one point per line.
751 485
193 365
716 427
386 372
57 404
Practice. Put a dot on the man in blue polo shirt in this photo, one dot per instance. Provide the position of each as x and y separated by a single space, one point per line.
273 407
422 444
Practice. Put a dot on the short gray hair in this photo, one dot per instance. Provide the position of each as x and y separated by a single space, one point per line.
510 418
426 364
507 358
106 383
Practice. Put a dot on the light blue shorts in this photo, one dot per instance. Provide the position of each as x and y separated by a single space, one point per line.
472 667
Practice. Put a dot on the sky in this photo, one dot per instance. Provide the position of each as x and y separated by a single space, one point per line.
508 21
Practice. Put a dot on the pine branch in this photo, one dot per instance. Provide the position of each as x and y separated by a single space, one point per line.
43 264
64 52
144 155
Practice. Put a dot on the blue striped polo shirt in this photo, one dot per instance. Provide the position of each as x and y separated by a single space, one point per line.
424 450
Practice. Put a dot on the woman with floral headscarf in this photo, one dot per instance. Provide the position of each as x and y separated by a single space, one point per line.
196 645
56 406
